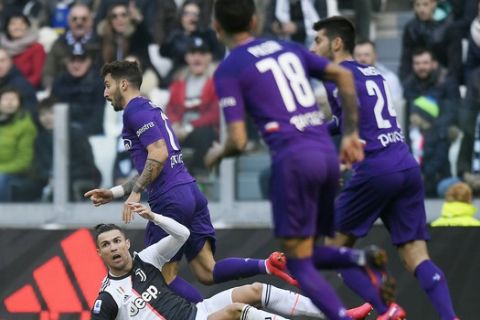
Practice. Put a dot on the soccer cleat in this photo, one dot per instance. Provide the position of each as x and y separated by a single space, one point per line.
394 312
361 312
376 268
276 265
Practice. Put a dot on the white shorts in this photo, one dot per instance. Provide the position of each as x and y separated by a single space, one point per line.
213 304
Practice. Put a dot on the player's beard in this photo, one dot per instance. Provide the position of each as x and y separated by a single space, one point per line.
118 101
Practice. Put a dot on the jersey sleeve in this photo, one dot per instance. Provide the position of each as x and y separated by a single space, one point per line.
104 308
145 124
229 95
161 252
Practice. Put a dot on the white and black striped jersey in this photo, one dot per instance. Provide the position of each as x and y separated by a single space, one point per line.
142 293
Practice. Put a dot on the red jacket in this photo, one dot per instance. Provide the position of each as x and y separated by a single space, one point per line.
208 107
30 63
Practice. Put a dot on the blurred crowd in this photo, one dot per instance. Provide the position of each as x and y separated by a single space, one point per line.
51 52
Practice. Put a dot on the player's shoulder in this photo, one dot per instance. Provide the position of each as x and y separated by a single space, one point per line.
360 70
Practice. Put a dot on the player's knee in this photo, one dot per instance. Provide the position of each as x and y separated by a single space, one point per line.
256 289
234 310
297 247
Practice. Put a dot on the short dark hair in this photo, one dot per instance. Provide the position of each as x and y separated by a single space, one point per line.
234 16
418 51
46 104
103 227
366 41
15 15
9 89
339 27
129 70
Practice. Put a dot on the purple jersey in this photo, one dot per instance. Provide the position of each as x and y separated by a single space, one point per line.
270 80
385 148
143 124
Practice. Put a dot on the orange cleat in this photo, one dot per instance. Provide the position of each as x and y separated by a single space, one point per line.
394 312
361 312
276 265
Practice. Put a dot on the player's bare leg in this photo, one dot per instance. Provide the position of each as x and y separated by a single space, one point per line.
208 271
299 262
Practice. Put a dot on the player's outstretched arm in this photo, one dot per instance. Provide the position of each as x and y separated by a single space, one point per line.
103 196
234 145
162 251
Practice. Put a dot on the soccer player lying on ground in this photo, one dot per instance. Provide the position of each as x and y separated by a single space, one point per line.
270 80
157 155
135 288
387 184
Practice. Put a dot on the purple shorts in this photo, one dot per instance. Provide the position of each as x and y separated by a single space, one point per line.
303 185
396 198
186 204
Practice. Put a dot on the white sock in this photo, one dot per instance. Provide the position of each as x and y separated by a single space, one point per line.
252 313
288 303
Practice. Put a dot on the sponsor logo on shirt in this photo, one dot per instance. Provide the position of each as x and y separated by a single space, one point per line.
227 102
127 143
301 121
144 128
141 302
391 137
97 306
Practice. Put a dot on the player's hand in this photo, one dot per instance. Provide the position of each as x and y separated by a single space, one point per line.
127 215
99 196
213 156
141 210
351 149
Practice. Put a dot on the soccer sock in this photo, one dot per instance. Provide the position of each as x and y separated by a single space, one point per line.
433 282
252 313
326 257
316 288
237 268
288 303
185 290
359 282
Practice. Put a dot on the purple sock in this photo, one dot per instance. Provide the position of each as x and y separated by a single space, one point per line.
185 290
433 282
359 282
237 268
326 257
316 288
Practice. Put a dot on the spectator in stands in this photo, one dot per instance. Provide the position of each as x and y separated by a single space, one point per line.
20 40
124 32
17 133
473 51
468 164
441 37
433 82
34 9
80 34
193 107
293 20
83 174
458 210
148 9
365 53
177 42
10 76
82 88
429 143
363 12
